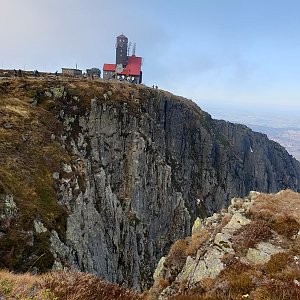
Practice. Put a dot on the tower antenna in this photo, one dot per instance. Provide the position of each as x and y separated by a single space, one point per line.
128 50
133 49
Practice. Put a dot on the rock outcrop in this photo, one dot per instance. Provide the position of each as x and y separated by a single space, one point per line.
250 250
125 170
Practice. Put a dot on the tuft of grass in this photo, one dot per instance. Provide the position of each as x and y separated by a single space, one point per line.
284 225
277 263
163 283
178 254
197 239
251 234
277 290
60 286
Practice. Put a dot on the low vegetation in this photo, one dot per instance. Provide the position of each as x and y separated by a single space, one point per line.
60 286
273 219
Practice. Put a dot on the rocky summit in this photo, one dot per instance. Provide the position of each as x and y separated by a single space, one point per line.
104 176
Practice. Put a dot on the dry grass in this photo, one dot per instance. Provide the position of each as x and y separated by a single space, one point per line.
274 217
22 286
251 234
178 254
60 286
275 204
80 286
285 225
281 211
163 283
196 241
277 290
277 263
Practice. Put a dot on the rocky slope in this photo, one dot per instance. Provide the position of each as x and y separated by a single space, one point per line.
104 177
250 250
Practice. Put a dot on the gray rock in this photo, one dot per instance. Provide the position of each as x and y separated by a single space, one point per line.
67 168
147 173
55 175
262 253
8 125
39 226
207 266
48 94
9 208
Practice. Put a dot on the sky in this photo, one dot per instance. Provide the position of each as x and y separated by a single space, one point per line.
226 55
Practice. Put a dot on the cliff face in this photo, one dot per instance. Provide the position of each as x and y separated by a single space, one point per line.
130 170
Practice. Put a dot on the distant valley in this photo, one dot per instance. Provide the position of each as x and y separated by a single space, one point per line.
280 126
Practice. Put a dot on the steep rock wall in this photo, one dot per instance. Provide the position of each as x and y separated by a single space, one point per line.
139 166
151 165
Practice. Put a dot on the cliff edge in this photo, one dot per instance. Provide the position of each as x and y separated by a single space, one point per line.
105 176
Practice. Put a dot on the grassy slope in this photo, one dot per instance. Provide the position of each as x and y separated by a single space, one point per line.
60 286
28 157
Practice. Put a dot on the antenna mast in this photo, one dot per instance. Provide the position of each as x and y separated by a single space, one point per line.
133 49
128 50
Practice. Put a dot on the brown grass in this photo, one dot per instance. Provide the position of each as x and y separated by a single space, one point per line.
163 283
251 234
277 290
196 241
277 263
177 254
60 286
274 204
22 286
285 225
80 286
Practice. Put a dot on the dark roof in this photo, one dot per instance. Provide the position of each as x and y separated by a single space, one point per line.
122 36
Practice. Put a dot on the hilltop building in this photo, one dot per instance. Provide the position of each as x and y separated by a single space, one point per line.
93 72
127 67
71 72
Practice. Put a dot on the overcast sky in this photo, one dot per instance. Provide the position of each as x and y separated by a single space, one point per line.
232 53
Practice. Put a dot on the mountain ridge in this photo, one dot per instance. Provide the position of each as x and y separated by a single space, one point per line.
118 173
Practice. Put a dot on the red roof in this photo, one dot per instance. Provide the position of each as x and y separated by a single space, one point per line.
133 66
109 67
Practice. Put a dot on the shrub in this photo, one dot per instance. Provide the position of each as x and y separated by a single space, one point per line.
251 234
284 225
196 241
163 283
277 290
178 253
277 263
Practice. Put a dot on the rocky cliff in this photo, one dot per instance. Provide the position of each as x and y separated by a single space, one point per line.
250 250
104 176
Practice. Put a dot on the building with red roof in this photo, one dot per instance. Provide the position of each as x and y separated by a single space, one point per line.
127 67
